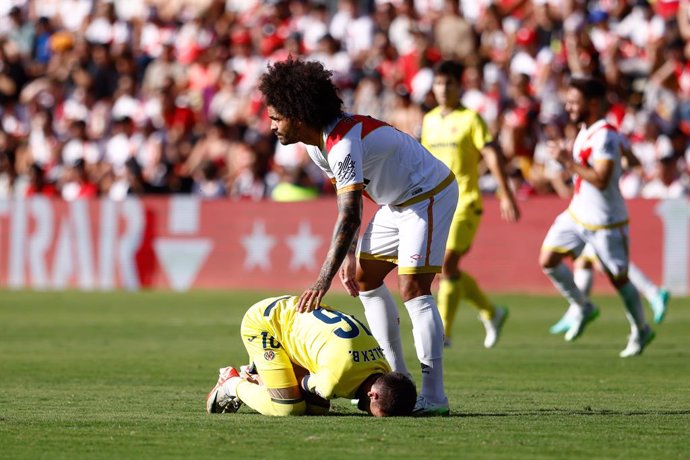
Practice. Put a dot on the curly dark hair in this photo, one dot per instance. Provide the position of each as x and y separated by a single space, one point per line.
398 394
302 90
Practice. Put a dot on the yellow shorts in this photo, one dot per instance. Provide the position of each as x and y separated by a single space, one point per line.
268 355
463 228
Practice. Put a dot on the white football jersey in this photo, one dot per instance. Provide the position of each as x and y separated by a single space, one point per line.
391 167
590 206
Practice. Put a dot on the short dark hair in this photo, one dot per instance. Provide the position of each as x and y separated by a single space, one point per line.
398 394
591 88
302 90
452 69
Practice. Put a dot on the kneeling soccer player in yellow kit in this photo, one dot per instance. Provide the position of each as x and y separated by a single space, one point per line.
303 360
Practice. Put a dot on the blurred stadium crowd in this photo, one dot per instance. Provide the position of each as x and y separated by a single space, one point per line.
121 97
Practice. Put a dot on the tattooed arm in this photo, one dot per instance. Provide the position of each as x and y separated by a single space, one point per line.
342 244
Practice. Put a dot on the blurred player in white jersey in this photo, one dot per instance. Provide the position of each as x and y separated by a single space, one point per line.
416 195
657 297
596 215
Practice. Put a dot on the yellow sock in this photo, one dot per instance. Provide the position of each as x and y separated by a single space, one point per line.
448 299
471 292
258 398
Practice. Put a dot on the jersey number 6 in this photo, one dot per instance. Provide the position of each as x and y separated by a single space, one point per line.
324 315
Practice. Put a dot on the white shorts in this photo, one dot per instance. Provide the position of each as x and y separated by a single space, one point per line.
588 253
413 237
609 244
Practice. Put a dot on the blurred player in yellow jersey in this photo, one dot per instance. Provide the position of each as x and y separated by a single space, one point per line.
302 360
459 137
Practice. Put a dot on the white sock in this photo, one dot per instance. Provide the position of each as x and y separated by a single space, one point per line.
229 387
384 321
643 284
583 278
563 279
633 307
427 330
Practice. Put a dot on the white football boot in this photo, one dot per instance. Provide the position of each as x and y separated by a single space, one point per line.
493 326
580 320
564 323
425 408
223 397
638 342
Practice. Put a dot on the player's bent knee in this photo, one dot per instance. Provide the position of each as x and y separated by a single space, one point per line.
282 408
549 259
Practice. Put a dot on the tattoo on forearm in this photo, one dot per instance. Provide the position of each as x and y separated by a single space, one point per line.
353 246
344 233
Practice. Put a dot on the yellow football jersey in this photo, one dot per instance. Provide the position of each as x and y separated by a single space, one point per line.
457 139
337 349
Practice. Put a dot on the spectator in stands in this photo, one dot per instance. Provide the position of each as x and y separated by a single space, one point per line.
667 181
546 174
312 24
173 68
214 146
454 35
9 179
483 99
354 30
13 75
252 179
163 69
403 26
134 181
76 184
372 97
227 104
81 147
38 185
405 114
207 181
519 130
43 143
328 52
21 32
125 143
493 40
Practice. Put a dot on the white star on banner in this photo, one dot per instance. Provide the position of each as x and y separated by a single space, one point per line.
303 246
258 247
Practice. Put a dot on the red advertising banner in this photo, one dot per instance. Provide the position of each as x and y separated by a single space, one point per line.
181 243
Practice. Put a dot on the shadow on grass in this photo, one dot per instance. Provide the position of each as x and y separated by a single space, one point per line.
587 411
566 412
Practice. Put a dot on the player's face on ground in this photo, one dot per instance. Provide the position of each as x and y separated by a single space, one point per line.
576 105
446 90
369 403
284 128
370 407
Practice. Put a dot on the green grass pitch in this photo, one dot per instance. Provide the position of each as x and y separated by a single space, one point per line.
121 375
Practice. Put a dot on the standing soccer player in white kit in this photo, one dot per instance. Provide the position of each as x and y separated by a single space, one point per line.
416 193
596 215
